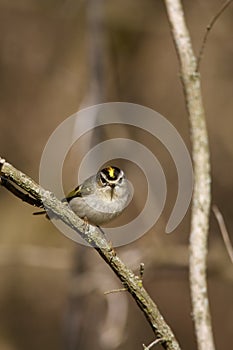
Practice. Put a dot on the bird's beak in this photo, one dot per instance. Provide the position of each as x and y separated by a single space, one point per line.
112 190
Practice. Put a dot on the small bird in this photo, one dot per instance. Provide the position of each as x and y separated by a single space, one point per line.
100 198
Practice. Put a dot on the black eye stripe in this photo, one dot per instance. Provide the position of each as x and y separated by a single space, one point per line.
103 179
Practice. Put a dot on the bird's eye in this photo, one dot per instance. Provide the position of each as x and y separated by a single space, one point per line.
120 180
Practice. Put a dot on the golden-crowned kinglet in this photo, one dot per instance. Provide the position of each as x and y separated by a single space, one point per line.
101 197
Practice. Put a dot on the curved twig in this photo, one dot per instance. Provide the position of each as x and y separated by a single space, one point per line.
208 29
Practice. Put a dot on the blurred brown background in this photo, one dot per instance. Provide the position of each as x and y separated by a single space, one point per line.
55 58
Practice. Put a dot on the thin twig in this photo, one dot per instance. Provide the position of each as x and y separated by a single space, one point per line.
208 29
200 209
150 346
115 291
94 238
141 270
224 232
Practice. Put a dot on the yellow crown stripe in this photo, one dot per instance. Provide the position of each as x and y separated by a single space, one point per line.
111 171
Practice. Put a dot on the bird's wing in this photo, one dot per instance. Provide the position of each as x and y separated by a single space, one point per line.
73 194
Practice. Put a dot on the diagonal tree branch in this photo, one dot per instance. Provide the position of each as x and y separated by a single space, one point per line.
19 193
201 196
93 237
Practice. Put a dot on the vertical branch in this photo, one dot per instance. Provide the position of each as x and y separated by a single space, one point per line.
201 195
96 53
77 312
